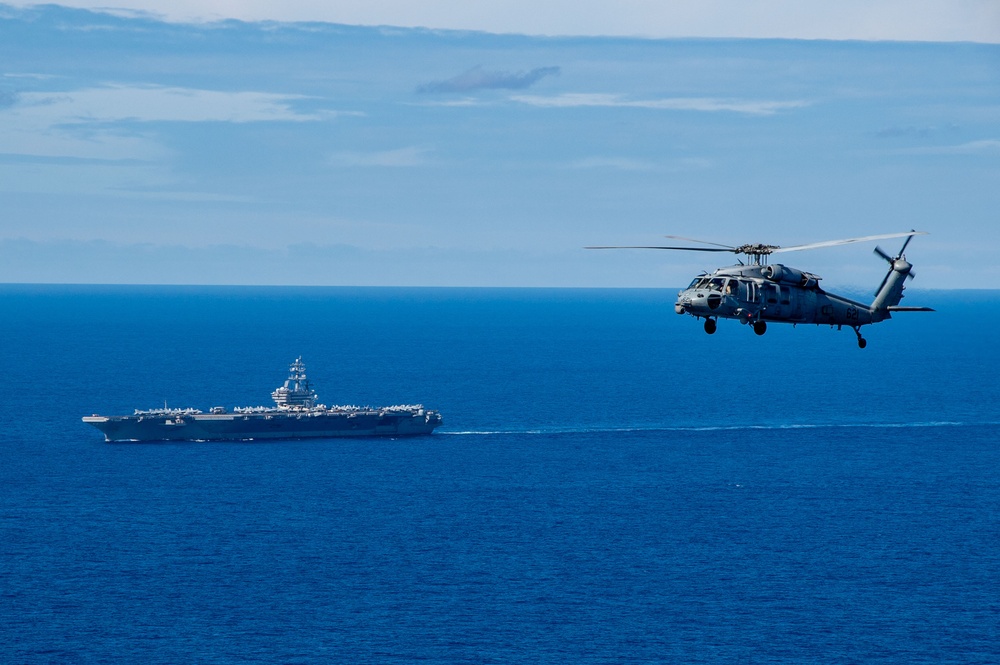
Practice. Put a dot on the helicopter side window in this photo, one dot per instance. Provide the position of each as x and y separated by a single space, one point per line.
733 288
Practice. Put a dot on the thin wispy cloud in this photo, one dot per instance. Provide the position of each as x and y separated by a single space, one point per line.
612 163
908 131
478 78
115 103
183 196
702 104
983 147
78 142
106 122
399 158
28 75
454 103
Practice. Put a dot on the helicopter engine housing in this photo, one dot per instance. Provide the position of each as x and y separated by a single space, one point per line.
785 275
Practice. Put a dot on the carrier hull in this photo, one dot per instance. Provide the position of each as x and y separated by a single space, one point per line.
277 425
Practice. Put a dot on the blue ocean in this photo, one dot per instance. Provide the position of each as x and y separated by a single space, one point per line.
610 485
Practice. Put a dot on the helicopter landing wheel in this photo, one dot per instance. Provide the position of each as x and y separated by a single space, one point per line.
760 327
862 342
710 326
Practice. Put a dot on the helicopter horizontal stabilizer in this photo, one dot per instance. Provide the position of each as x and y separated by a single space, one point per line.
897 308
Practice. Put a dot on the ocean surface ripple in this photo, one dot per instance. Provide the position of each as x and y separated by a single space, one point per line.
610 484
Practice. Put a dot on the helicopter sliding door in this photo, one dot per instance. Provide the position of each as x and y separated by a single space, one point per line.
785 303
775 300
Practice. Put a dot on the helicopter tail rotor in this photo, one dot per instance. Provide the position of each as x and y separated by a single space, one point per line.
881 252
893 261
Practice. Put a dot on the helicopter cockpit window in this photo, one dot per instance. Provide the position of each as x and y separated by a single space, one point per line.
694 282
732 288
716 284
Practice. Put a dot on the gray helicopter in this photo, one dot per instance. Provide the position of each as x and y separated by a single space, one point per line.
756 292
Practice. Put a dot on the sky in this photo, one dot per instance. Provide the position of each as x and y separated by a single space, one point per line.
485 144
899 20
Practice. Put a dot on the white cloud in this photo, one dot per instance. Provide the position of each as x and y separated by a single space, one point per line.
749 107
78 123
115 103
907 20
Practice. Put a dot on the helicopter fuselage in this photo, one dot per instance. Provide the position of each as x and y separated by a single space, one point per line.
758 293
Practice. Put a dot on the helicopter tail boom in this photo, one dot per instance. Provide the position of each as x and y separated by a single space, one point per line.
891 291
889 294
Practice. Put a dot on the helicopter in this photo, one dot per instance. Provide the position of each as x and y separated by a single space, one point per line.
757 292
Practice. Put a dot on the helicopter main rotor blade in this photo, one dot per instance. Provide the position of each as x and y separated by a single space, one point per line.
687 249
832 243
703 242
903 248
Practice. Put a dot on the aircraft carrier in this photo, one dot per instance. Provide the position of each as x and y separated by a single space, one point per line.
295 415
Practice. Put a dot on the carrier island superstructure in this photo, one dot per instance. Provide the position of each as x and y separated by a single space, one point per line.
295 415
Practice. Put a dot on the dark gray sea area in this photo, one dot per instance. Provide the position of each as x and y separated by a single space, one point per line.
610 485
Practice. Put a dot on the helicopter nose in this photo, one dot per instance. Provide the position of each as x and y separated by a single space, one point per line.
683 302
